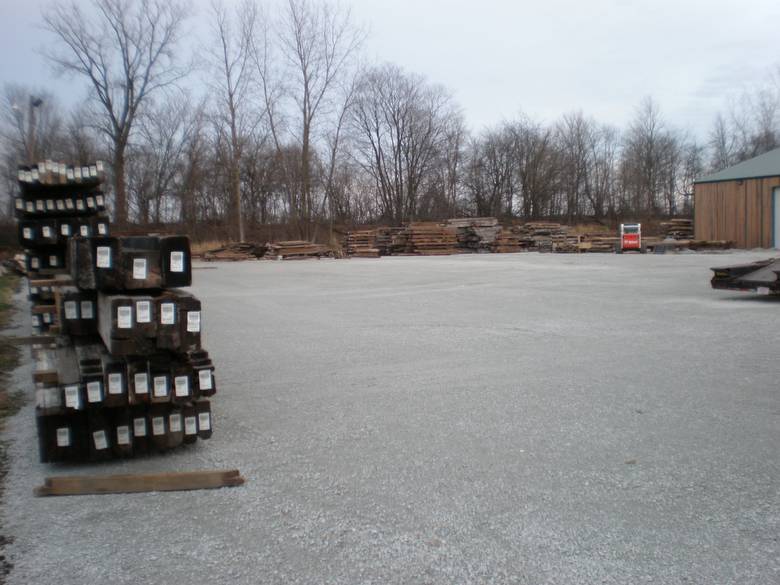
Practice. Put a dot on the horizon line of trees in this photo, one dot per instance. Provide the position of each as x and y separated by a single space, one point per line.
294 128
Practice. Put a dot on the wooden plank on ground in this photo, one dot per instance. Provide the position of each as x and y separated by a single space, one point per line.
134 483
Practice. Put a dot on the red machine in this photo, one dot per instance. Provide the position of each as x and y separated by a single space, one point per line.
630 237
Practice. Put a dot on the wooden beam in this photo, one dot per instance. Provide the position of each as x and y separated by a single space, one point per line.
134 483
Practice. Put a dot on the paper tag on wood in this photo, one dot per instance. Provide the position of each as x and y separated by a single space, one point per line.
204 379
63 437
35 262
141 382
90 202
181 385
100 440
158 425
103 255
72 397
47 317
160 386
65 229
139 268
94 392
174 422
193 321
36 321
123 435
80 204
19 203
124 317
102 230
53 261
100 200
29 207
139 427
204 421
27 233
71 310
87 310
177 261
115 383
143 312
190 425
84 232
50 206
47 232
40 205
60 205
167 313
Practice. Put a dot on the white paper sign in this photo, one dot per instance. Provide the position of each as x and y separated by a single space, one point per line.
141 381
177 261
204 379
53 261
50 205
46 232
174 422
72 398
193 321
102 229
63 437
190 425
204 421
36 321
90 202
100 439
87 310
181 385
143 312
115 383
27 233
167 313
123 435
19 203
158 425
94 392
139 268
71 310
103 255
29 207
65 229
139 427
124 317
60 205
47 317
35 262
69 204
80 204
100 200
160 386
84 231
40 205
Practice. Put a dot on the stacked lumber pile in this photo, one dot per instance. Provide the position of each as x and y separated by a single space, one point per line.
506 242
599 243
121 370
234 252
678 229
295 249
543 236
363 243
432 239
476 234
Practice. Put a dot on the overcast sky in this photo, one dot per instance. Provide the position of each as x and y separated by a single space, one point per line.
545 58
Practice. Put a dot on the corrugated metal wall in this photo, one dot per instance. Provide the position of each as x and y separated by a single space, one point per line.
738 212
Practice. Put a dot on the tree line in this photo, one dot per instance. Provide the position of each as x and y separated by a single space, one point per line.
278 119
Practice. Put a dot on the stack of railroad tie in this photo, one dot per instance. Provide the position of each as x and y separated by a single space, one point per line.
123 371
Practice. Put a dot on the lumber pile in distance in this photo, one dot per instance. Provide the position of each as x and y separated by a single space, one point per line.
294 249
678 229
233 252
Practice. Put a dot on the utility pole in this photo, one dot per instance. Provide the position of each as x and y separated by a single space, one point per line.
34 103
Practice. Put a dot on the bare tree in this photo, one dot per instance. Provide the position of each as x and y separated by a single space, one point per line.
126 50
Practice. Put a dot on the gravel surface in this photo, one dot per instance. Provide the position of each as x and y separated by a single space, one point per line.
514 418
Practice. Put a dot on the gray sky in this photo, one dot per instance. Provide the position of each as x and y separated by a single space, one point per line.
546 58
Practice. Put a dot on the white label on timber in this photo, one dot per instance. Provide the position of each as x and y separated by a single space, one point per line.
124 317
174 422
93 171
139 268
193 321
123 435
63 437
71 310
90 202
101 229
101 442
167 313
35 174
99 166
103 255
762 290
80 204
204 379
30 207
181 385
100 200
47 317
33 290
84 231
177 261
39 205
160 386
204 421
77 173
141 381
72 398
46 231
35 262
69 174
20 175
190 425
19 203
139 427
158 425
60 205
36 321
65 229
85 172
143 312
50 204
27 233
53 261
93 392
69 204
115 383
87 311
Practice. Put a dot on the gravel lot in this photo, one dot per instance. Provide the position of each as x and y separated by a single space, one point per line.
515 418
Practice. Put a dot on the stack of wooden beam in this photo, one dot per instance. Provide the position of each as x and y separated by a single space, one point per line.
234 252
599 242
542 236
295 249
476 234
362 243
121 370
507 242
432 239
678 229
